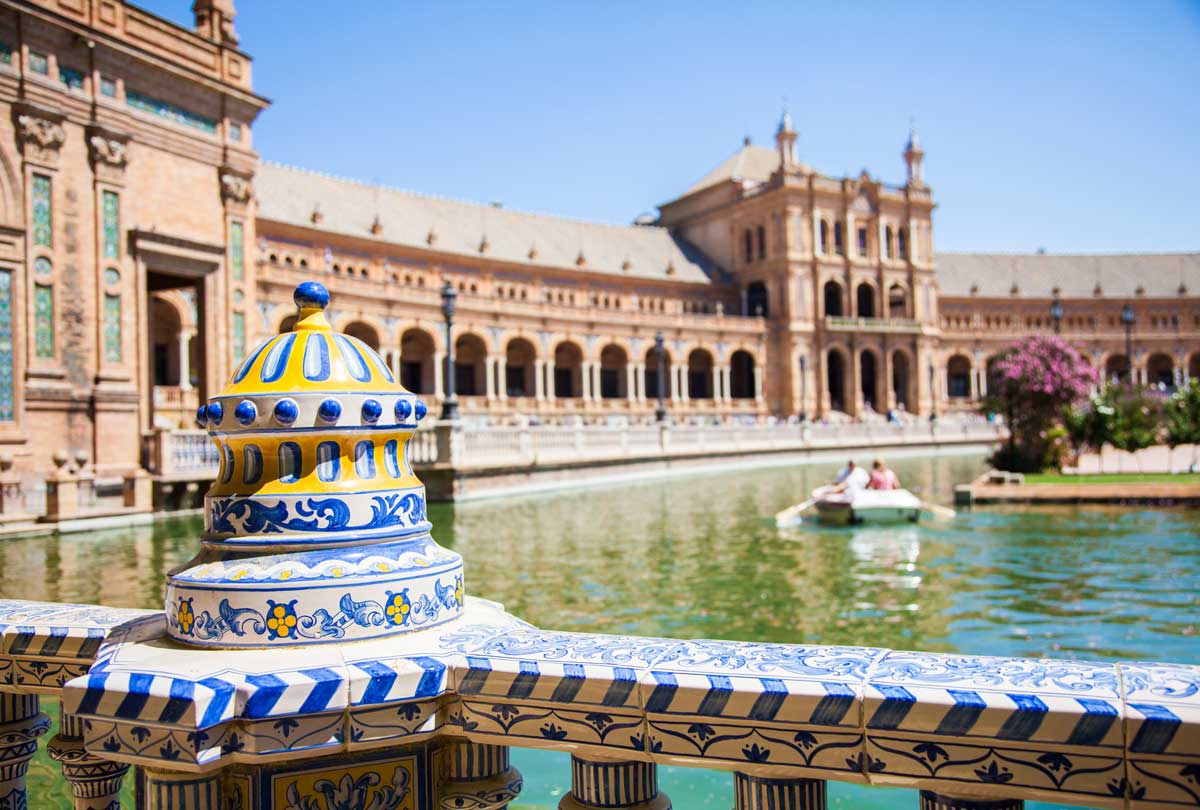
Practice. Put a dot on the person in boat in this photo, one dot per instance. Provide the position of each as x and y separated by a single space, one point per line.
882 476
851 477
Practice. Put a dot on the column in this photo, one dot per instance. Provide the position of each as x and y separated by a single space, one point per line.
439 364
639 376
595 381
181 791
975 384
762 793
758 382
489 376
726 391
21 723
889 379
856 397
624 785
479 777
631 382
185 360
502 377
940 801
681 391
95 782
539 380
717 377
585 380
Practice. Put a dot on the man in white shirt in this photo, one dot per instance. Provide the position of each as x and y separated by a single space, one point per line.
852 477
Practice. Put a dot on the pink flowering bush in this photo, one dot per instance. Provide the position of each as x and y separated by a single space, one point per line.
1033 384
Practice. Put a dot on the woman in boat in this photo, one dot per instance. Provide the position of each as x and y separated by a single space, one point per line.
882 476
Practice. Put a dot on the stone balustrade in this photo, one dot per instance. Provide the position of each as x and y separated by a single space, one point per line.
969 731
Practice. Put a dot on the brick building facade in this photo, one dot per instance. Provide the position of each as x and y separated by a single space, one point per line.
144 245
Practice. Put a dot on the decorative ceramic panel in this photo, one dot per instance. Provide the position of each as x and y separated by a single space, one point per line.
38 63
71 78
237 341
42 215
43 321
237 250
6 54
169 111
7 395
112 225
112 328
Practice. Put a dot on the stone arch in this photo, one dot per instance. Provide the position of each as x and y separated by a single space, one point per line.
470 365
868 364
700 374
417 358
836 379
742 370
902 379
364 331
832 294
520 367
1116 368
958 377
166 325
614 360
650 383
1160 370
864 300
568 370
897 303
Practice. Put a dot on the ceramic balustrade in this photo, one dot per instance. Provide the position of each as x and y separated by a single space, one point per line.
968 730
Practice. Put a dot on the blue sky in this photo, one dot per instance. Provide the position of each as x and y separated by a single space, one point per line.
1073 126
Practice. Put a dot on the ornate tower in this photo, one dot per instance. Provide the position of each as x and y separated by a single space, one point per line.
913 156
785 141
214 20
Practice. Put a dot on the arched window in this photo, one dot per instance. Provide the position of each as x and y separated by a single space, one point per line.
757 303
748 244
741 375
887 239
865 300
897 302
862 241
762 242
824 236
958 377
902 243
839 239
833 298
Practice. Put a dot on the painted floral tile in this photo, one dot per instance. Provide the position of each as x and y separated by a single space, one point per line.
992 724
1162 733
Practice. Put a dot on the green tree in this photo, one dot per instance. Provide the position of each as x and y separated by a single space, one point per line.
1137 422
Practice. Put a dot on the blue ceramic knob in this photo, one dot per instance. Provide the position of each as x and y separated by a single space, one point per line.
202 416
403 410
215 412
330 410
311 295
286 411
421 410
245 412
371 411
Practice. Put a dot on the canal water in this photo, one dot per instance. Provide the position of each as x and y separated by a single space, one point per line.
699 557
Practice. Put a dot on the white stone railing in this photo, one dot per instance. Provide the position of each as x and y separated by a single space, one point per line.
173 453
970 731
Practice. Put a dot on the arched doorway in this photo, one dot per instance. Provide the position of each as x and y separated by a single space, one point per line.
1116 368
650 383
741 375
901 376
1160 371
835 379
1194 367
416 361
757 303
865 300
470 359
699 374
833 298
165 327
897 302
868 374
613 376
958 377
568 370
364 332
520 368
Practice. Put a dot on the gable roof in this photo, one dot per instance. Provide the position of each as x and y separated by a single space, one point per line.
1075 275
751 162
290 195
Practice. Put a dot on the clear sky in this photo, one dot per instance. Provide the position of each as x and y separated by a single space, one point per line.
1073 126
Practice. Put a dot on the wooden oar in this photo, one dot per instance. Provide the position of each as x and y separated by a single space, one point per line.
793 513
942 512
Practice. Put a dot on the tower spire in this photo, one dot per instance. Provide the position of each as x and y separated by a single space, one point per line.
785 141
913 156
214 20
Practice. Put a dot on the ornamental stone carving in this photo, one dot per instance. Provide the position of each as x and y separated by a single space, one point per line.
41 134
235 187
107 150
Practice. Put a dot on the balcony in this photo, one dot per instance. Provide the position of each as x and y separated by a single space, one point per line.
839 323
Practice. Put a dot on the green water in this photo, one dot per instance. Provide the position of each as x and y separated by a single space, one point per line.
698 557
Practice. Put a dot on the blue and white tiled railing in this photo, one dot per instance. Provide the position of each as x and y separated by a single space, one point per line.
784 717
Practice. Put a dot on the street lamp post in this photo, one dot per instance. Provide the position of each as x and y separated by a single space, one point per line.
660 413
932 392
1127 318
1056 313
450 403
